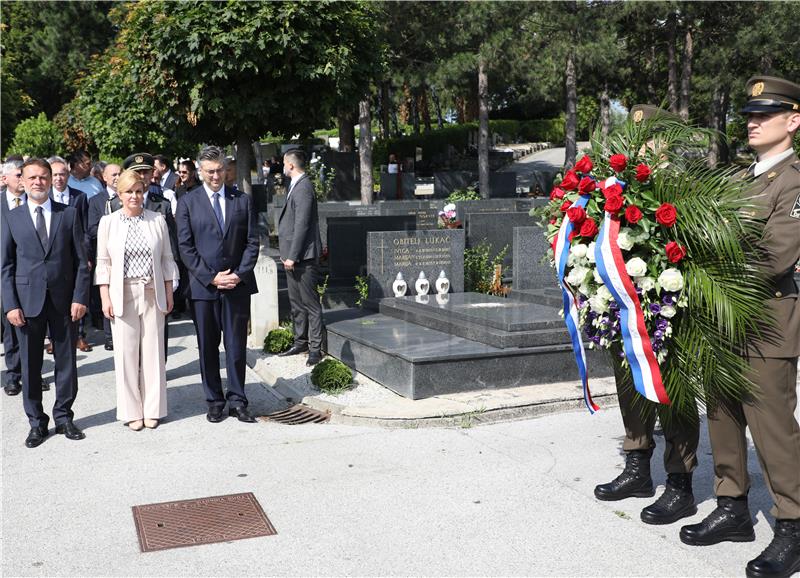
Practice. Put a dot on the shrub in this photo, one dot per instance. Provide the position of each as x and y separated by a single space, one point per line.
37 137
479 267
278 340
332 376
362 288
468 194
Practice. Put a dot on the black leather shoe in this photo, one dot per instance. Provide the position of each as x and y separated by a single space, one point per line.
108 345
36 436
675 503
313 359
729 522
294 350
13 388
633 482
70 431
216 414
241 414
781 558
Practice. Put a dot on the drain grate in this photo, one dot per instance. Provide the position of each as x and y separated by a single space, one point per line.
298 414
200 521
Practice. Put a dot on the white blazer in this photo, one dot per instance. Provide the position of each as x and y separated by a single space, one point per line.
110 267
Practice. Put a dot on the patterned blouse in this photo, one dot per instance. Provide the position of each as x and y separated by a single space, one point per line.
138 253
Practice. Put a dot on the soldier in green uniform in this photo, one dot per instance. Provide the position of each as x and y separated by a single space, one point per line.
680 435
773 110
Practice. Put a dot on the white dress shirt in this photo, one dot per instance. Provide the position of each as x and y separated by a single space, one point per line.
164 178
10 199
47 209
221 192
762 167
111 192
61 196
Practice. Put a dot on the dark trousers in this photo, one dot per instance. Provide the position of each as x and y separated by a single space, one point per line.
223 319
11 350
639 418
776 435
306 308
31 345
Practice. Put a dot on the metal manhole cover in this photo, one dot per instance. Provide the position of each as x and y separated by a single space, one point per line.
298 414
200 521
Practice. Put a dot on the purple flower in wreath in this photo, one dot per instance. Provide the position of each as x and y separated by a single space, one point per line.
655 308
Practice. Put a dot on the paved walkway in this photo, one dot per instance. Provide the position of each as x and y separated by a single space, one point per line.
503 499
548 161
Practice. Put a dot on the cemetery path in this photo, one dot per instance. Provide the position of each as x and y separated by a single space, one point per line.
547 161
504 499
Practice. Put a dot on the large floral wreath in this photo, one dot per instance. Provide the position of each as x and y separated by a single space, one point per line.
653 252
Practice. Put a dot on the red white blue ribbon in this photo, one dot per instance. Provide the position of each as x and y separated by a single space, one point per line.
561 253
636 340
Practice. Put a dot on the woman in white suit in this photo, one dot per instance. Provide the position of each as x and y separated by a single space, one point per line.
136 274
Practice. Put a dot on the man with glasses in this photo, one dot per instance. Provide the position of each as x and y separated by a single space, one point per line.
218 241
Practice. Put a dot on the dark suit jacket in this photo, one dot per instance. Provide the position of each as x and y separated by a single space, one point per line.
80 201
28 273
298 223
172 179
206 250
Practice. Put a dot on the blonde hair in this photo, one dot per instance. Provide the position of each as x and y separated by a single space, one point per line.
127 180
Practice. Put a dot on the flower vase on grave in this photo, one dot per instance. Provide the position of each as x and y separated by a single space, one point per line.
442 284
399 287
422 286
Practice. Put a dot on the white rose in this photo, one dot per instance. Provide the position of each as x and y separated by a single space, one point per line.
598 304
585 289
636 267
671 280
598 279
578 250
625 239
449 207
668 311
646 283
604 293
590 252
577 276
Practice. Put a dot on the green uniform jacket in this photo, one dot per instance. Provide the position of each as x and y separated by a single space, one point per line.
777 193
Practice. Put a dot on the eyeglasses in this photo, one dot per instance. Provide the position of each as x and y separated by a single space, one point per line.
183 172
213 171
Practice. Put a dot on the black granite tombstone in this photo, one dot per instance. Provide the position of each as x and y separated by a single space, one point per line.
497 229
346 183
530 270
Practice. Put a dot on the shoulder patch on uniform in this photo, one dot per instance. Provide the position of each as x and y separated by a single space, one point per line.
795 211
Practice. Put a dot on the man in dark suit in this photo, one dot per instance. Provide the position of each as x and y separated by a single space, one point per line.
45 281
164 173
300 249
72 197
13 197
218 241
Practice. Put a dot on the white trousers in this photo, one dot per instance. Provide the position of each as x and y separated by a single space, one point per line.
139 363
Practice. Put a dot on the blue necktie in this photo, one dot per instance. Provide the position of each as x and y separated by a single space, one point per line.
218 212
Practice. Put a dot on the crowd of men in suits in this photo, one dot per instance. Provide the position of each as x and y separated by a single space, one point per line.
51 211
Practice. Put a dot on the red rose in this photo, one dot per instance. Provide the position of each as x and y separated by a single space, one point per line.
553 221
618 163
675 252
570 181
557 193
587 185
666 215
565 205
614 204
643 173
576 215
589 228
584 165
612 190
633 214
572 235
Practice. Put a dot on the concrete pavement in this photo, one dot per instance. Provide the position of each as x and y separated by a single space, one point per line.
502 499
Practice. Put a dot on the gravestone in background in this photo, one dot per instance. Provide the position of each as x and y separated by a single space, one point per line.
348 176
497 229
347 243
389 182
264 309
503 185
529 272
445 182
409 252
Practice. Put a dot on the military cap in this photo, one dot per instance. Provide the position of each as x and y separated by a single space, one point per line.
770 94
640 112
138 162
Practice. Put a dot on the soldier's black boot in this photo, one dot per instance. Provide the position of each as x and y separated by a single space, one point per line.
675 503
729 522
634 481
781 559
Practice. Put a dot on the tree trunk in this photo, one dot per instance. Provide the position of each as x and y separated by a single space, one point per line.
385 105
651 69
424 109
686 74
605 112
415 111
718 153
672 63
461 110
365 150
244 159
438 106
347 133
571 143
483 129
